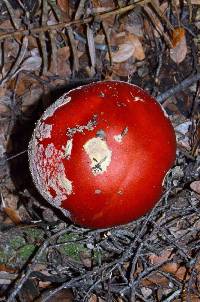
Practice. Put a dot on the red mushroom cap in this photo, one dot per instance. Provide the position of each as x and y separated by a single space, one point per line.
100 153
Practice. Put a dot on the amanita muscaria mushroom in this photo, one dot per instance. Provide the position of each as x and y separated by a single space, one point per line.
100 153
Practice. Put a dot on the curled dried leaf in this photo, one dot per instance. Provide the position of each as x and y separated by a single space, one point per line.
177 35
195 186
139 50
131 46
179 51
63 5
124 52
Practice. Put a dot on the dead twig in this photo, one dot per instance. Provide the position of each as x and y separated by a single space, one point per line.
28 270
58 26
181 86
16 66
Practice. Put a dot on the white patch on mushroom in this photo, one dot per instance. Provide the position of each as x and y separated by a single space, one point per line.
99 154
68 148
48 172
118 138
43 131
64 99
97 191
80 128
138 99
67 184
120 192
49 151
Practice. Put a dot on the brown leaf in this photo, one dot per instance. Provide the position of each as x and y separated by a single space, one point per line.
158 259
139 51
196 2
178 53
5 268
124 52
155 278
64 295
177 36
93 298
63 5
195 186
13 215
128 46
63 61
124 69
9 200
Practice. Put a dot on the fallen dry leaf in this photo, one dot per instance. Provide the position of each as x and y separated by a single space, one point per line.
179 51
94 298
124 52
139 50
196 2
195 186
63 5
63 64
5 268
155 278
124 69
177 36
146 292
158 259
64 295
10 207
129 45
33 62
13 215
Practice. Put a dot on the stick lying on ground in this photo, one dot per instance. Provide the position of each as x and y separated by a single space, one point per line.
179 87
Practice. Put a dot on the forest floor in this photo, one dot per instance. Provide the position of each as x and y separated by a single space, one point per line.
47 48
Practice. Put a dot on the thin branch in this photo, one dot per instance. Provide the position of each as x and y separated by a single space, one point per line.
80 9
161 15
11 12
13 70
106 32
181 86
28 270
74 49
121 10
